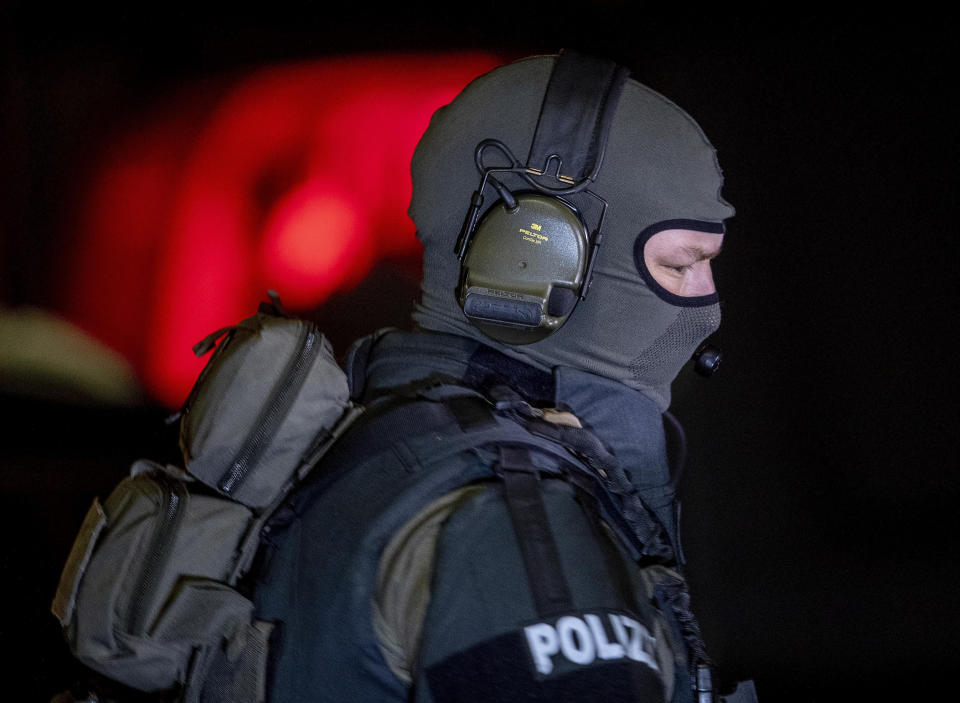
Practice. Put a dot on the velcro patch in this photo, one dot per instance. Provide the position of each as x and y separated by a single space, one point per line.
588 638
585 656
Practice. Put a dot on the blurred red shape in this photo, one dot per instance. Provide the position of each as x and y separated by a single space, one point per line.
293 177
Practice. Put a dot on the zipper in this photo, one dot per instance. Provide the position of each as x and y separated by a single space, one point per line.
173 502
275 410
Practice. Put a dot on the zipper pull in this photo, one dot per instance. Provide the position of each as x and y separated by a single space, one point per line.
210 341
200 348
274 307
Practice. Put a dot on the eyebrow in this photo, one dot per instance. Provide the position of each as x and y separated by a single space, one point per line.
699 254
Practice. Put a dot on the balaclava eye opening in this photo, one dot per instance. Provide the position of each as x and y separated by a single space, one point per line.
658 170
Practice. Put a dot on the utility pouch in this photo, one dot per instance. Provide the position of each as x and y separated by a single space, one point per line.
264 406
148 596
146 592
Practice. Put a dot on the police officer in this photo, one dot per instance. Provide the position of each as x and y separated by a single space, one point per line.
568 216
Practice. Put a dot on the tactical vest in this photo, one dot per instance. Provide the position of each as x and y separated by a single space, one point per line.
321 551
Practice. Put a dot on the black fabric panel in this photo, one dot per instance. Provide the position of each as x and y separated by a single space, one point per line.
617 571
488 368
577 111
500 670
470 412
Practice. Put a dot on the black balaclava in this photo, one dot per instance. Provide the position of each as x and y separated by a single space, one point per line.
659 172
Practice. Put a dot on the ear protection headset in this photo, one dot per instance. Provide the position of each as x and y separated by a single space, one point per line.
527 262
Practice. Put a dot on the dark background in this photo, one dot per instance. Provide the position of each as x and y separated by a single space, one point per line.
819 498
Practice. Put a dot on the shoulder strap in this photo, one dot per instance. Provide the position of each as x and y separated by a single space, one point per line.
548 585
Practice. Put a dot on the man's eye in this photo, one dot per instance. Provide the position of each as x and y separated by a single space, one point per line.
677 268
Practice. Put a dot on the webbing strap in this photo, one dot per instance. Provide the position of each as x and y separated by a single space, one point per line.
541 560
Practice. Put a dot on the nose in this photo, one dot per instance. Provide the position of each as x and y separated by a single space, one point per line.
699 280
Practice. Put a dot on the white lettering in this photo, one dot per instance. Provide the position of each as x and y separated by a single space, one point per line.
618 630
582 641
605 648
640 642
543 643
575 640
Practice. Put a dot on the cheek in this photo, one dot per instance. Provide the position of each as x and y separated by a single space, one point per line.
618 311
670 280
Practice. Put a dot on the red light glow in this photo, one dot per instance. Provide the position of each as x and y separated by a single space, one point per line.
316 241
294 178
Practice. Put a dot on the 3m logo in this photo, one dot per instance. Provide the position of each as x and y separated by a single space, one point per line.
582 640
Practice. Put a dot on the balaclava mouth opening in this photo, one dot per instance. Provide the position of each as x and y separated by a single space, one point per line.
659 172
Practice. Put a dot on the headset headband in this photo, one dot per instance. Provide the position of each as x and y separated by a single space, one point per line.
575 117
